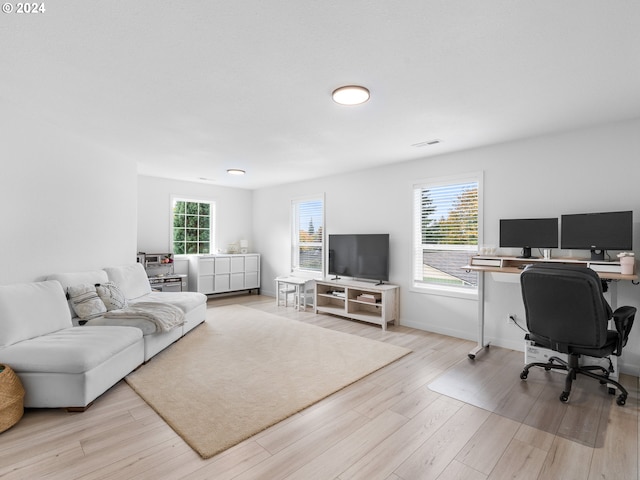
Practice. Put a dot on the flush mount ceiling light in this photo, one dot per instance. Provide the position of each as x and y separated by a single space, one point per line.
235 171
350 95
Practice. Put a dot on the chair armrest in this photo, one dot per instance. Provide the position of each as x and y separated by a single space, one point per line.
623 318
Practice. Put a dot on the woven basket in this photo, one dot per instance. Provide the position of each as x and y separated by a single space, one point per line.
11 398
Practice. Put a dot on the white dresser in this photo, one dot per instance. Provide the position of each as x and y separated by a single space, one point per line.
222 273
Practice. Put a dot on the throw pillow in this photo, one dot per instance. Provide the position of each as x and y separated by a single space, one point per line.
111 296
86 302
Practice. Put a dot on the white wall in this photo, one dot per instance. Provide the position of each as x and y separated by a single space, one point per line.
233 212
590 170
64 205
69 206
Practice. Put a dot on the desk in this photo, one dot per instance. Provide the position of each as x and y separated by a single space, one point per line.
299 285
514 265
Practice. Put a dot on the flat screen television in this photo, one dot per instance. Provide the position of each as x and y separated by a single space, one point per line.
364 256
528 233
597 232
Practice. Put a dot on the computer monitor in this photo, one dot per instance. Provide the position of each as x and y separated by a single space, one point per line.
597 232
528 233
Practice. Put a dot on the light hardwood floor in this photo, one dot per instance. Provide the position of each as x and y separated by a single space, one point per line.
387 426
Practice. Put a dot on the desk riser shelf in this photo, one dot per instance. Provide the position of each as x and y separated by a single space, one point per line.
606 270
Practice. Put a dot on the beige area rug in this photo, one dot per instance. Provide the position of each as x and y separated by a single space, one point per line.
244 370
492 382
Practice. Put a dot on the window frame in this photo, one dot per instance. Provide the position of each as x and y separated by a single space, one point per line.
296 244
212 221
434 182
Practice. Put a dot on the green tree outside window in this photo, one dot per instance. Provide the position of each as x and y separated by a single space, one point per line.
447 233
192 227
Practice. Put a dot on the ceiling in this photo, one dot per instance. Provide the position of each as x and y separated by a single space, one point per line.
190 89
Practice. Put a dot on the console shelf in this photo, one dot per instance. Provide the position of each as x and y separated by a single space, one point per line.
610 270
378 304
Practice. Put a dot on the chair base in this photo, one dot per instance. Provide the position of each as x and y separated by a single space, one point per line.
573 368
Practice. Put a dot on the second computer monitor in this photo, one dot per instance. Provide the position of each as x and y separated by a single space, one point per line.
598 232
528 233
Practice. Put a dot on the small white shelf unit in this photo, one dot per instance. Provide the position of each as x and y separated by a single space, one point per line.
210 274
340 297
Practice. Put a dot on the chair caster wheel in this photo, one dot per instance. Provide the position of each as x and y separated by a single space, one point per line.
524 375
612 391
472 356
621 400
564 397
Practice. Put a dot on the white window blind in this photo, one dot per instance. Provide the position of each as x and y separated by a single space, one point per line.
446 232
307 237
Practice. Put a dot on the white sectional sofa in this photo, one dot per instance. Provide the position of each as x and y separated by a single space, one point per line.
133 282
63 361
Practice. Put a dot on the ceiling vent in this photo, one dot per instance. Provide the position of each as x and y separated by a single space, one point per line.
427 143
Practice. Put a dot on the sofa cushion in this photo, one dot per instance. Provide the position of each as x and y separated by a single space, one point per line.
131 279
85 301
28 310
70 350
111 296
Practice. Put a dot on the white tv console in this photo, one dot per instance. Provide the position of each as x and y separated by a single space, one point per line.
340 297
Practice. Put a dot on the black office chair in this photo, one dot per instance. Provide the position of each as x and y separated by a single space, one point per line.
566 312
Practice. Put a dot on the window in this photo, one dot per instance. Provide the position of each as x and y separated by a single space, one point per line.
307 235
193 226
446 232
